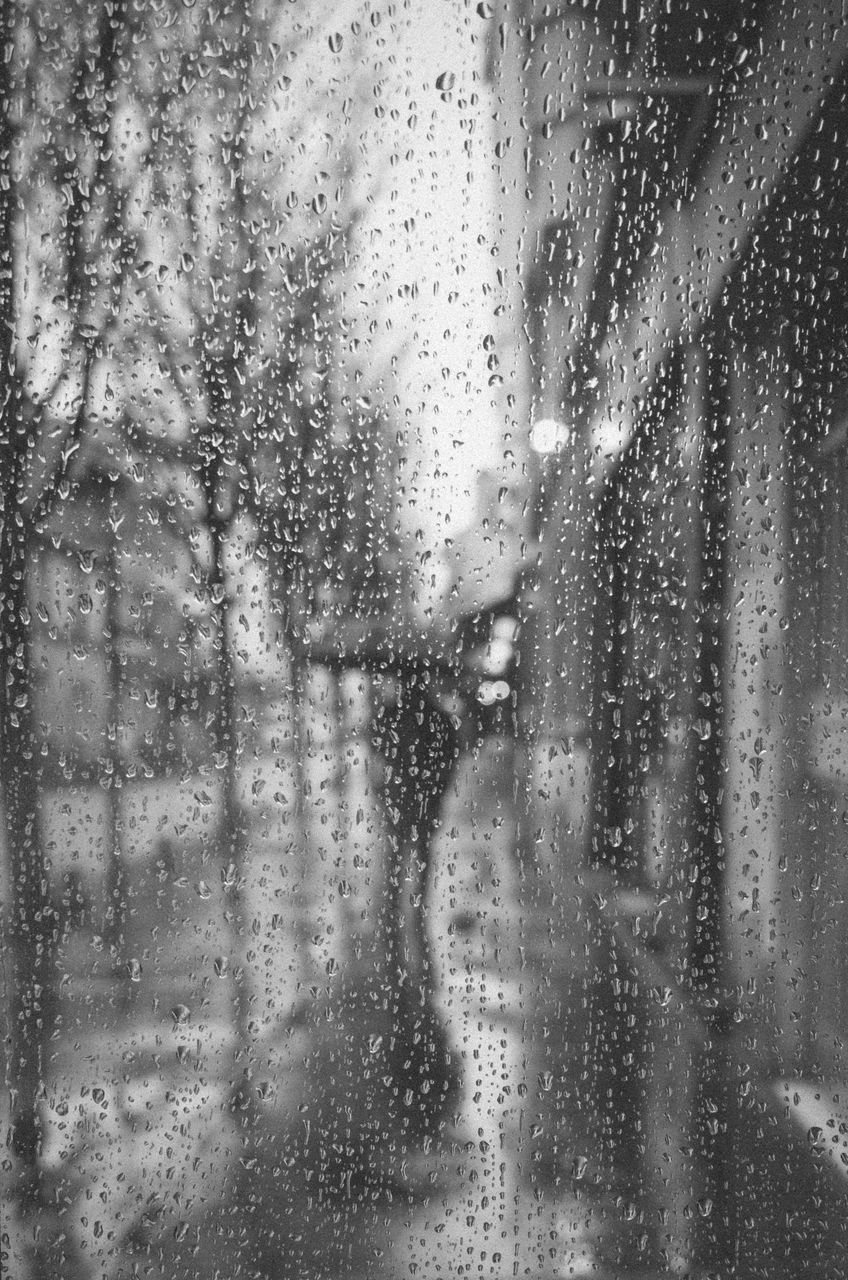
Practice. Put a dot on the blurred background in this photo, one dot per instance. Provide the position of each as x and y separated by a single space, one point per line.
423 695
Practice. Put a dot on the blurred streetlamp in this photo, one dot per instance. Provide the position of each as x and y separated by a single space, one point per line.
548 436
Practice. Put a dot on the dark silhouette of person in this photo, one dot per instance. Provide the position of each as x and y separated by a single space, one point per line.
443 688
418 741
428 714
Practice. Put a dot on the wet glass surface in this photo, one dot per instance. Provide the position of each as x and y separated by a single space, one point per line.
423 697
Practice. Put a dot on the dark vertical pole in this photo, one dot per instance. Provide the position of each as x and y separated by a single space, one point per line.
231 829
26 964
115 869
706 789
708 774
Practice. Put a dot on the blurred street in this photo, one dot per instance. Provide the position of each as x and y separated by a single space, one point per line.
326 1185
506 1181
313 1169
423 640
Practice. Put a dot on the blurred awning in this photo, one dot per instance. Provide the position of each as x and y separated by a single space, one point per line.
761 124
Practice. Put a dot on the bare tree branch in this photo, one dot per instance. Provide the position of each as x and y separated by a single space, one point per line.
111 26
48 497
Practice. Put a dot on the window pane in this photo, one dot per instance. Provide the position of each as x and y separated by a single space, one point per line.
423 711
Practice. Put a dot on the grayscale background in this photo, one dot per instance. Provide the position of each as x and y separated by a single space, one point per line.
423 639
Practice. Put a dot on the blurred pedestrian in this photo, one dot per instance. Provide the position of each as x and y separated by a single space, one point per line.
442 687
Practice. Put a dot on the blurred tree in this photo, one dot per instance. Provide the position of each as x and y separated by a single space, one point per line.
241 307
58 291
175 358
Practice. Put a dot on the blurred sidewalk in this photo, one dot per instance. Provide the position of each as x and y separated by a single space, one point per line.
504 1200
312 1174
326 1185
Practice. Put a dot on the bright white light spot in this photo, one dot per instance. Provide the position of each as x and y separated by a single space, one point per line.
548 435
498 656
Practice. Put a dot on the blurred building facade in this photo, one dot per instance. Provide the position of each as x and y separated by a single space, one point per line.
672 176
